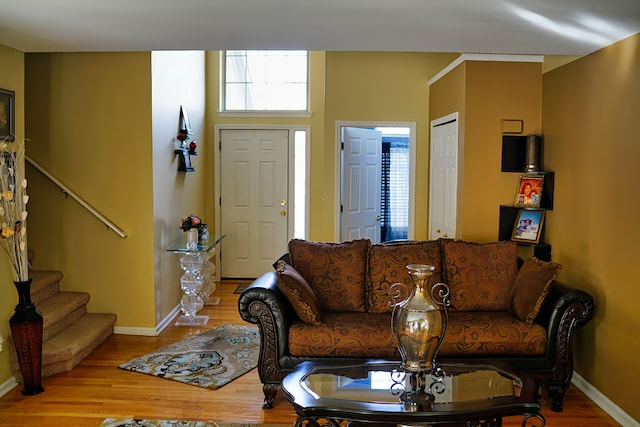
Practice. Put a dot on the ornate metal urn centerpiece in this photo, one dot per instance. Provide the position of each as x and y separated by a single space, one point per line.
419 322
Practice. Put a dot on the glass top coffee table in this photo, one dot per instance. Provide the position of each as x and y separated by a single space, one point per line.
362 393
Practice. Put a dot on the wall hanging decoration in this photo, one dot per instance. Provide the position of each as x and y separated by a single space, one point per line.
7 118
187 145
26 324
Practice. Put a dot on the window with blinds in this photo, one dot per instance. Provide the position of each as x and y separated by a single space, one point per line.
395 188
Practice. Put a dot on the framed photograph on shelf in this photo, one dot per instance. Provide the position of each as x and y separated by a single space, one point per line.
7 115
529 191
528 225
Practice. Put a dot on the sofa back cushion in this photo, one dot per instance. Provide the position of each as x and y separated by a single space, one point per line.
337 272
387 265
480 275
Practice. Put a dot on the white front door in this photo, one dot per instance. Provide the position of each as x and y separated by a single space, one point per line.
361 184
443 177
253 200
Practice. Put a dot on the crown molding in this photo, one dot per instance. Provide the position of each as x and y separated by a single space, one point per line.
484 57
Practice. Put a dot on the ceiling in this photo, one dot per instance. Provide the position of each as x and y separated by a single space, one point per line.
541 27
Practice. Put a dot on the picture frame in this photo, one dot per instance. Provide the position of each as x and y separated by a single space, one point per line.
528 225
529 191
7 115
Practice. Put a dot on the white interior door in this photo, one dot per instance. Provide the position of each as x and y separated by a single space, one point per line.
253 200
361 184
443 177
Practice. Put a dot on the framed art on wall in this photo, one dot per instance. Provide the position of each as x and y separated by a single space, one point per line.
7 115
529 191
528 225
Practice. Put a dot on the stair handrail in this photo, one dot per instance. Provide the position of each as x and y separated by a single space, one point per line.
67 191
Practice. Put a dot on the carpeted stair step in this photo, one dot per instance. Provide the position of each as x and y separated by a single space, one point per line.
44 283
63 351
69 347
61 310
69 333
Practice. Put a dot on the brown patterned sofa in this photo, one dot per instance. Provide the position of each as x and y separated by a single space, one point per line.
331 300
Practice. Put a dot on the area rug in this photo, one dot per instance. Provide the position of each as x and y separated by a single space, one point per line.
241 287
209 360
130 422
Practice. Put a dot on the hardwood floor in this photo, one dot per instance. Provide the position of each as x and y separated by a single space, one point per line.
97 389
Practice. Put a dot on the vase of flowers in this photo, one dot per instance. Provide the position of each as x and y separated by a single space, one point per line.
26 324
190 222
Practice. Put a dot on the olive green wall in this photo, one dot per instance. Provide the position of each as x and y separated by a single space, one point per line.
591 109
317 199
494 91
11 78
448 95
380 86
88 119
350 86
485 93
104 124
92 117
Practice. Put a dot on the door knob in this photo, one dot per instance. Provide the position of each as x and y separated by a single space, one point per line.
438 230
283 213
378 218
283 202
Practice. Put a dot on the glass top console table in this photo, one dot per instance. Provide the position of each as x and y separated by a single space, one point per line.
361 393
198 280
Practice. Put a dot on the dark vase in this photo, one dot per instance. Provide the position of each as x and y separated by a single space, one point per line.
26 330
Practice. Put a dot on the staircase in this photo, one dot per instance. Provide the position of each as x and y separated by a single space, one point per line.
70 333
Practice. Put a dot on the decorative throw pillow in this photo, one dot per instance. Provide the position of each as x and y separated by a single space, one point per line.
532 287
388 265
480 275
337 272
298 293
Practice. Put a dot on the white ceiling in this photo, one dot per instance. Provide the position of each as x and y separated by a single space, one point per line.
547 27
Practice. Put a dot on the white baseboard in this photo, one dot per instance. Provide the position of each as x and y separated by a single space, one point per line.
602 401
125 330
168 319
148 332
7 386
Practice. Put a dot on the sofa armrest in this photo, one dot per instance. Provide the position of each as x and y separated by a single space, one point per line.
263 304
565 310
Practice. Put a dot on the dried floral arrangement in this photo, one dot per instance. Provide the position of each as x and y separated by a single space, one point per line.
13 207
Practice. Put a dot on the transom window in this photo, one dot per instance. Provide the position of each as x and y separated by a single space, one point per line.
264 80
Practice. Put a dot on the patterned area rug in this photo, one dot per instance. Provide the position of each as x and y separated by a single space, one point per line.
241 287
209 360
130 422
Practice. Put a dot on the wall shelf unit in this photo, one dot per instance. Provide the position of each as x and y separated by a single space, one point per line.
513 160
